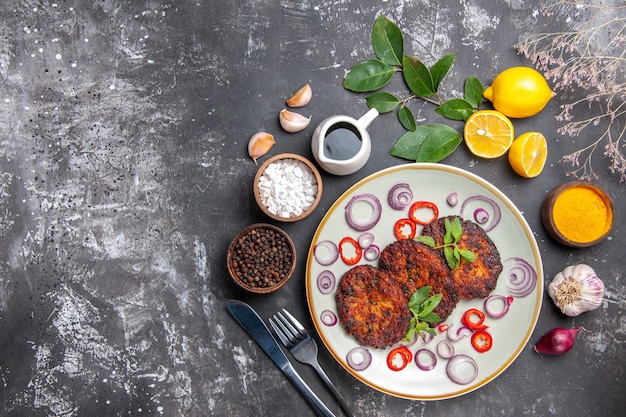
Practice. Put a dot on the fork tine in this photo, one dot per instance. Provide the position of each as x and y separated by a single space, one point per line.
293 333
279 332
295 323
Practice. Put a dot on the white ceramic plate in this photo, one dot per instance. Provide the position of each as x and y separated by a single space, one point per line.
511 235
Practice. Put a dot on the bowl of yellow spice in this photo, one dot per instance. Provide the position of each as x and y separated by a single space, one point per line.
578 214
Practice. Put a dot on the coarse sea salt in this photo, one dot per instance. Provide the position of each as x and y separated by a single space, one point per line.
287 188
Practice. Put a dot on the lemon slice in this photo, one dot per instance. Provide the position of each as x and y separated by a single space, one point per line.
488 134
528 154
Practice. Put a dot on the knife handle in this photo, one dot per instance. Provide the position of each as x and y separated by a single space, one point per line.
318 406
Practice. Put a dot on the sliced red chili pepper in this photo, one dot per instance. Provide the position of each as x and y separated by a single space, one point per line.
421 205
357 251
474 319
399 358
442 327
482 341
401 226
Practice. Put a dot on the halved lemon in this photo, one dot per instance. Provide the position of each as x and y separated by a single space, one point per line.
488 134
528 154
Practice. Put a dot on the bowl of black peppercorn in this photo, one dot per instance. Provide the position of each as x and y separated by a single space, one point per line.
261 258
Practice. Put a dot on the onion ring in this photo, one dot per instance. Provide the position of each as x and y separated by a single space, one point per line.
452 369
371 253
481 215
328 318
362 224
489 306
458 334
359 358
425 366
326 281
365 240
400 196
453 199
495 219
326 252
522 277
445 349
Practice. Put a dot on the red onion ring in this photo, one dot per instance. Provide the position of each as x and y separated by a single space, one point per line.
522 277
326 281
328 318
458 334
489 306
371 253
409 342
425 366
481 215
362 224
427 337
359 358
453 199
445 349
400 196
453 371
365 240
326 252
495 219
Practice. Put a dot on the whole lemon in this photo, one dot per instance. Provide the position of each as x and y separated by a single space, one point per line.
519 92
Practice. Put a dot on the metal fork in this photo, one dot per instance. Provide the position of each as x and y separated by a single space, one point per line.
302 346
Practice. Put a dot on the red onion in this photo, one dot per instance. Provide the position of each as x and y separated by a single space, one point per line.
371 253
494 207
326 281
460 333
326 252
366 223
453 199
328 318
400 196
557 341
359 358
445 349
491 302
431 360
522 277
365 240
427 337
481 215
458 375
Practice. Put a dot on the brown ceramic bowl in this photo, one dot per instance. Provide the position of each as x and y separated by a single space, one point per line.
577 211
253 271
307 164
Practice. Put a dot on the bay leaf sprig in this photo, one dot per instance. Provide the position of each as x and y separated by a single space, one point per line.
451 250
425 143
421 307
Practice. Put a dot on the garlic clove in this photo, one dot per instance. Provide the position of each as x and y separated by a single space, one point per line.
292 121
301 97
259 144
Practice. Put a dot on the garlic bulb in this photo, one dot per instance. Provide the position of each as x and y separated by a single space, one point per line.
259 144
576 289
292 121
301 97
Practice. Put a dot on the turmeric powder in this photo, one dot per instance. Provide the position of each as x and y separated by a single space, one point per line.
582 214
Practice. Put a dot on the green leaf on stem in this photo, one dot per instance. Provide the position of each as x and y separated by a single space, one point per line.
473 92
417 77
456 109
440 70
367 76
387 41
383 102
421 307
407 119
440 142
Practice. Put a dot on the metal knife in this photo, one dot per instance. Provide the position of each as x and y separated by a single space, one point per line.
254 325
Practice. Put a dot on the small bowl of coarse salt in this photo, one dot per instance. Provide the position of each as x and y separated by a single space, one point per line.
288 187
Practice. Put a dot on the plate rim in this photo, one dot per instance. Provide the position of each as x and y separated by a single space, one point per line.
538 264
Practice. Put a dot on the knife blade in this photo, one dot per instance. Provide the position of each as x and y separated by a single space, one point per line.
254 325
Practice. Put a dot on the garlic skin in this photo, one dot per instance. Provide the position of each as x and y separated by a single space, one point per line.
293 122
301 97
259 144
576 289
